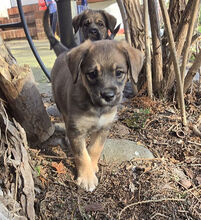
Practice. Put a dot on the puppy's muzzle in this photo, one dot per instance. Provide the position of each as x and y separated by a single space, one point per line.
93 31
108 95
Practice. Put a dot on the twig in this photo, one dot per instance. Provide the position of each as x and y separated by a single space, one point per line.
198 199
149 201
158 214
175 60
52 157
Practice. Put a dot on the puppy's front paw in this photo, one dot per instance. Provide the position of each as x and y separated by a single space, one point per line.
95 167
88 181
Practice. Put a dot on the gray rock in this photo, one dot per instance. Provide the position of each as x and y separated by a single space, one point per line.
52 110
119 150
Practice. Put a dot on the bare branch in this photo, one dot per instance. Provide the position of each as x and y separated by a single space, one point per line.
147 50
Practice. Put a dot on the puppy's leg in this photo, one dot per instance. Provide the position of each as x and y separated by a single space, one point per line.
96 146
86 175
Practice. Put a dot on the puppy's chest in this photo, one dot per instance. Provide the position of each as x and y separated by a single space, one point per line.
105 119
93 123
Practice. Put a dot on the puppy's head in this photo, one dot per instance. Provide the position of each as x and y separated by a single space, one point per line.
94 24
102 67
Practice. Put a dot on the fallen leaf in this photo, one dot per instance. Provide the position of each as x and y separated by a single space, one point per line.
198 178
59 167
183 179
43 181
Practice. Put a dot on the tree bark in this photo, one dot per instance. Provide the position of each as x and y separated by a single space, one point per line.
189 38
180 37
23 99
157 45
125 20
175 61
192 72
135 22
175 11
17 172
147 50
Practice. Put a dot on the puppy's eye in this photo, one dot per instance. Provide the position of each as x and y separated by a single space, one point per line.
92 75
119 73
100 24
87 23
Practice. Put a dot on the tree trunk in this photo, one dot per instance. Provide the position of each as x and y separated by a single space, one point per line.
175 61
189 38
192 72
125 21
147 50
135 22
180 37
157 45
16 178
175 11
23 99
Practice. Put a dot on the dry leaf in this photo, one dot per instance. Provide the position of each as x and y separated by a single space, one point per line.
59 167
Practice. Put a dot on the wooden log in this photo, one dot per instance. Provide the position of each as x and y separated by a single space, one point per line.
23 99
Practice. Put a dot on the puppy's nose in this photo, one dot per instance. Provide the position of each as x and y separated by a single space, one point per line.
108 95
93 31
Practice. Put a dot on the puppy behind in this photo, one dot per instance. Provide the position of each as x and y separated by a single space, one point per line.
87 83
93 25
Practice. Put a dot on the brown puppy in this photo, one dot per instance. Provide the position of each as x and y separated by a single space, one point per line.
93 25
88 82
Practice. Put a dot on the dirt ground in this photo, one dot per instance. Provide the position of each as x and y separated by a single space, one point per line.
167 187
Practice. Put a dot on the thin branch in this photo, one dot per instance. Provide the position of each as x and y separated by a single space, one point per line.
147 50
175 60
189 38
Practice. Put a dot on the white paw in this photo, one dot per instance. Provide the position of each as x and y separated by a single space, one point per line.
88 182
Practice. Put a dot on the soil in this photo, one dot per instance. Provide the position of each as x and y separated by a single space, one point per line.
166 187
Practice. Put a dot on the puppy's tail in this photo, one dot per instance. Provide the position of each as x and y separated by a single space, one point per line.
57 46
113 34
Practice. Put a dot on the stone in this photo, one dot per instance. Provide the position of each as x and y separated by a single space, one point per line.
119 150
52 110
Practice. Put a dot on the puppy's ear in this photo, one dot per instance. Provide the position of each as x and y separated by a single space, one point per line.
111 21
75 57
135 59
76 22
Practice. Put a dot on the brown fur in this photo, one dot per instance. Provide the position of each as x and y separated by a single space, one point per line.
87 85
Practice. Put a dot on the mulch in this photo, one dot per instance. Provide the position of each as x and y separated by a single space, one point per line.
166 187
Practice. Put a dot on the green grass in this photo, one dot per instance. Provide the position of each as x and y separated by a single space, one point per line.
199 28
23 54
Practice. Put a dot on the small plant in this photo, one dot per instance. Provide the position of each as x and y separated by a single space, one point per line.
137 119
37 169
